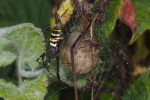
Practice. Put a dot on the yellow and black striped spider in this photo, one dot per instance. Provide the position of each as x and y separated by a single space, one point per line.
55 37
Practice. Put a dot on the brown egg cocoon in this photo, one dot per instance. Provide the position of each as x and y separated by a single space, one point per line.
83 52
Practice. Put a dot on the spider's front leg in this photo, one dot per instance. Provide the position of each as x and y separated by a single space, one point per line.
52 51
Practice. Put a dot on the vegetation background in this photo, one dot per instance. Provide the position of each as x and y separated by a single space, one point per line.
125 49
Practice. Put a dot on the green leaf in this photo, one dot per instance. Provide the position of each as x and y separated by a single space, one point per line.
110 17
140 89
3 30
65 11
29 41
142 13
29 89
8 51
141 52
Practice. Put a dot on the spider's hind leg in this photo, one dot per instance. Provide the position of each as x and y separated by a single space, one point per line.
42 57
52 51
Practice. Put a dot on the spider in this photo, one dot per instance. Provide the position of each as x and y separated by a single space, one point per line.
56 37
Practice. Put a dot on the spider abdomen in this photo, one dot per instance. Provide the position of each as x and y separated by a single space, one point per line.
56 36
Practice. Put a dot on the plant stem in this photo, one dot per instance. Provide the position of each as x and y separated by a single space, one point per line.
103 81
19 70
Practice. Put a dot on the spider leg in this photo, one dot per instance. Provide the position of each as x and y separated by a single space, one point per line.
44 54
53 50
57 61
46 29
57 73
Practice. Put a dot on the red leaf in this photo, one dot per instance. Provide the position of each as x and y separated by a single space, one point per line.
127 15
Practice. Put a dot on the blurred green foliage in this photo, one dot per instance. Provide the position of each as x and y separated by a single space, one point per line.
14 12
38 12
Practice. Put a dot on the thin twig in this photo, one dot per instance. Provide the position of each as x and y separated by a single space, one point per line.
72 60
74 75
103 81
92 73
91 31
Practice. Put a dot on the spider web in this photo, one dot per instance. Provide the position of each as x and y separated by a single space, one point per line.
109 59
114 61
